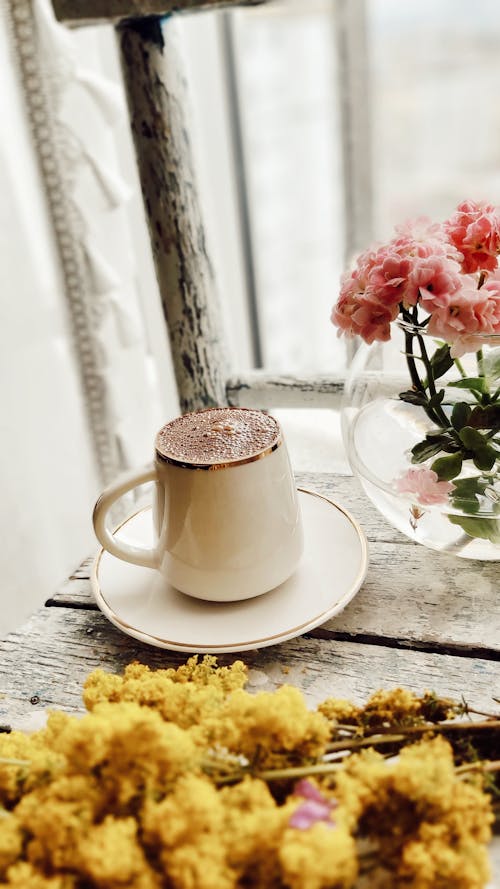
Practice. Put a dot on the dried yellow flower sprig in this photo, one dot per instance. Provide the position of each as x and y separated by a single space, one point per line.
180 779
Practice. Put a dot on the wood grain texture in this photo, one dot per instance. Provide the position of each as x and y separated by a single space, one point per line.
46 661
260 389
94 12
158 101
43 667
411 597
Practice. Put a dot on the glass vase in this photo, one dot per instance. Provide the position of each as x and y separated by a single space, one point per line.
407 405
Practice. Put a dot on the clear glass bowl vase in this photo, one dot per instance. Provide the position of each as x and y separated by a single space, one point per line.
407 405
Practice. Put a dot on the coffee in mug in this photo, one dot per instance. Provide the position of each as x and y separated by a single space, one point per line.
226 515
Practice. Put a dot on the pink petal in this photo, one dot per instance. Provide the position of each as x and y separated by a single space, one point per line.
311 812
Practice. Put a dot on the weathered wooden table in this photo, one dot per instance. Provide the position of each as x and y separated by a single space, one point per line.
422 620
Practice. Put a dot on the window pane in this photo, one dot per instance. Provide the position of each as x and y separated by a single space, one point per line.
287 90
436 115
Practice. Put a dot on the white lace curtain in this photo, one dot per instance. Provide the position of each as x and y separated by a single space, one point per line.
79 125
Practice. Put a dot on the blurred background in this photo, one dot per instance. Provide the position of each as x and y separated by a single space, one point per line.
317 125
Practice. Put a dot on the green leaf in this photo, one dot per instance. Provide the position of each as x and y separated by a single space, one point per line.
470 505
450 446
484 458
472 439
441 361
460 415
487 529
478 384
447 467
491 364
434 443
424 450
467 491
412 396
467 487
436 399
485 417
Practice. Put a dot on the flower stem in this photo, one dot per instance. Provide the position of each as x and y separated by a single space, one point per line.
4 761
410 360
460 367
299 771
486 766
400 732
329 768
480 362
442 418
437 415
414 376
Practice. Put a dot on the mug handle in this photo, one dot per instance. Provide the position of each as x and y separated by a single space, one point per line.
137 555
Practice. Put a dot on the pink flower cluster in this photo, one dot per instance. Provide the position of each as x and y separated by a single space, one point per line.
424 484
442 268
475 231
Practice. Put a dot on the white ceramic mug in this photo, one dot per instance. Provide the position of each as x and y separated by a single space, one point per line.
225 530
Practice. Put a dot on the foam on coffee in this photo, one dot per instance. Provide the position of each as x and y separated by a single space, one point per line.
217 436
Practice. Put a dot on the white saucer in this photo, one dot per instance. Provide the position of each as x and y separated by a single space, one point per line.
333 567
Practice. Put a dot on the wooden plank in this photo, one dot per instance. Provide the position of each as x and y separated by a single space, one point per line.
494 851
423 598
83 570
95 12
156 86
412 596
45 662
264 390
44 665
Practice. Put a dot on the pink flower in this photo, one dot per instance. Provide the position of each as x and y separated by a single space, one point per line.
469 316
474 229
436 278
315 807
356 314
425 265
424 484
387 277
421 230
491 290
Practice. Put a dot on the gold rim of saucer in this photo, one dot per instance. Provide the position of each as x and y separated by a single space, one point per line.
243 645
226 464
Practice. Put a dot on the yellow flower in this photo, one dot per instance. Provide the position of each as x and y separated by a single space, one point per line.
130 749
24 876
339 710
397 705
11 842
254 824
122 798
183 696
55 816
186 831
423 818
271 727
319 858
111 856
41 763
434 862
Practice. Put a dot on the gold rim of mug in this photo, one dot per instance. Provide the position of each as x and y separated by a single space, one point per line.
211 467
